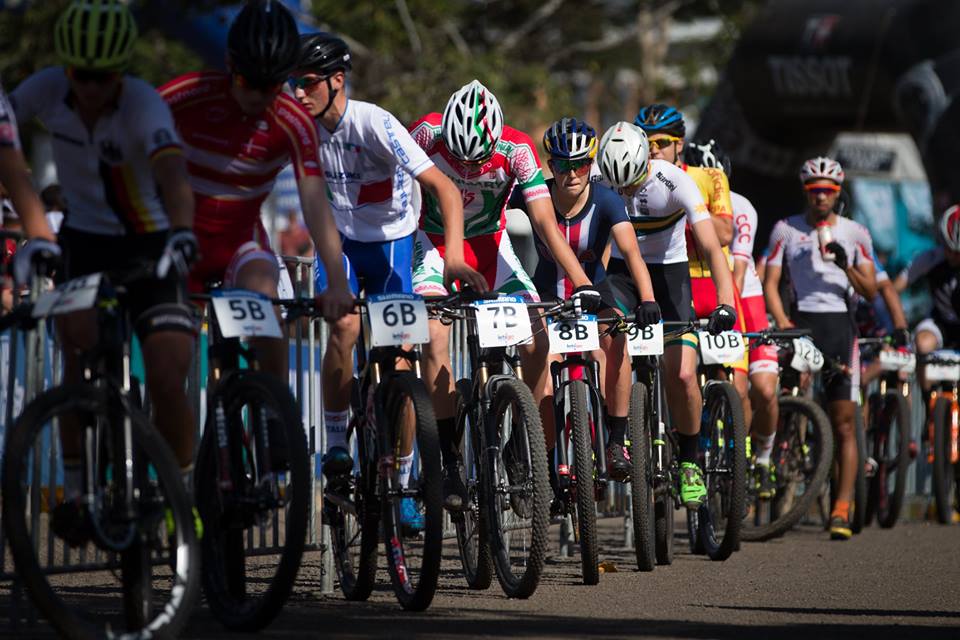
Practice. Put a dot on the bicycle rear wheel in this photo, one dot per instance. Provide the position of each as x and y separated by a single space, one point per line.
262 514
583 471
413 557
858 514
888 441
517 488
472 537
154 546
943 471
642 500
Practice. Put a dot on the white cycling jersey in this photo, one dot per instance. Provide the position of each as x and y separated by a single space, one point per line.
658 210
370 162
820 285
744 236
106 174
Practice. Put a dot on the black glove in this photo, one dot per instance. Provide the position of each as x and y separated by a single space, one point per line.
38 251
647 313
723 318
900 338
180 252
840 254
589 298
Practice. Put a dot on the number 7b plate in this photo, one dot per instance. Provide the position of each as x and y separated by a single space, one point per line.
245 314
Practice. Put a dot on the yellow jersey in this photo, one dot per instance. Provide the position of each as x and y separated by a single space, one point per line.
715 188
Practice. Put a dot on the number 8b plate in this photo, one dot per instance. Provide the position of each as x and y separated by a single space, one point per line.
397 319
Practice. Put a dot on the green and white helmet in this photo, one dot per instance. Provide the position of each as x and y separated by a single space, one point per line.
95 34
472 123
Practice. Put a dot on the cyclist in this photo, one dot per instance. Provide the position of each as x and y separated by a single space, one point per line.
764 368
120 163
666 129
371 163
660 197
940 267
589 215
826 254
485 158
239 130
871 324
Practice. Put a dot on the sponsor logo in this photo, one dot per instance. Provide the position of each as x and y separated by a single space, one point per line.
398 149
818 30
667 181
811 76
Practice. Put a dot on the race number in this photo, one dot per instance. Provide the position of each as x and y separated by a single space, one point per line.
806 356
943 372
396 319
902 361
647 341
575 334
503 322
723 348
245 314
75 295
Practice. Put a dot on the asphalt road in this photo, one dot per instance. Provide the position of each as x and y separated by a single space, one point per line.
901 583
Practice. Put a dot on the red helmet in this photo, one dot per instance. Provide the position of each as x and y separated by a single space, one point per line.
950 227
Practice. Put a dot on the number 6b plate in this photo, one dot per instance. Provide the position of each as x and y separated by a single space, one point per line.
245 314
397 319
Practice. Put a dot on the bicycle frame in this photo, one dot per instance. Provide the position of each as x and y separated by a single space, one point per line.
578 363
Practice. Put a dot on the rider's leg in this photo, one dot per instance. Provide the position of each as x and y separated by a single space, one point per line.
685 402
741 384
926 342
766 409
337 377
616 386
843 418
167 356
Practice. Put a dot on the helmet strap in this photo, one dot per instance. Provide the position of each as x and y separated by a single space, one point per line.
331 94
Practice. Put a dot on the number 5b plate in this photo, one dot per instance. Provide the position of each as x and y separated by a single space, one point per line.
245 314
397 319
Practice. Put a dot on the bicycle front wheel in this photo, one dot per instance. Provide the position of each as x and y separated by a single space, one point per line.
472 537
517 488
888 441
642 500
943 472
583 471
139 548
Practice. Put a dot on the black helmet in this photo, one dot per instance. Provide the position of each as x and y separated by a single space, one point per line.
263 43
323 54
707 154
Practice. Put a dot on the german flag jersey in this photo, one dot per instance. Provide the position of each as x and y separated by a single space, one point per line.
106 173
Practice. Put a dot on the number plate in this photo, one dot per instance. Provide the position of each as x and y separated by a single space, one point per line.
943 372
898 361
723 348
245 314
396 319
577 334
647 341
806 356
75 295
503 322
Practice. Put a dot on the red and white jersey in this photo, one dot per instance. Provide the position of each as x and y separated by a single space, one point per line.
233 158
107 173
370 162
820 285
744 236
485 188
9 136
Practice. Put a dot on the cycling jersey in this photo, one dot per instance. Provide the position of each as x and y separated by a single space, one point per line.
486 187
587 232
744 236
715 190
943 280
233 158
370 162
9 136
820 286
666 199
106 174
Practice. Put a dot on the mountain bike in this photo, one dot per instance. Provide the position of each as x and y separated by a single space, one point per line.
803 447
499 424
252 475
942 369
391 411
133 518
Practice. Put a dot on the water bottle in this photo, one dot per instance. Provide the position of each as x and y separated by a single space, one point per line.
826 237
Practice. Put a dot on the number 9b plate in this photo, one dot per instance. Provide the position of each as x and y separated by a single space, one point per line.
397 319
245 314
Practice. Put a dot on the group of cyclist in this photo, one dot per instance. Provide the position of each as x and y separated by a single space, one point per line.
634 221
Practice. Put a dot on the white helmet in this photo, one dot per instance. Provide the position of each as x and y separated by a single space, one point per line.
472 123
624 154
821 168
950 227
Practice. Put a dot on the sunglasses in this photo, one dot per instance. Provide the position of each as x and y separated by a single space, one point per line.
826 189
264 87
664 142
305 82
579 167
92 76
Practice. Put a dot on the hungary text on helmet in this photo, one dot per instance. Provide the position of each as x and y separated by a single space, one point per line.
821 168
472 123
570 139
95 34
624 155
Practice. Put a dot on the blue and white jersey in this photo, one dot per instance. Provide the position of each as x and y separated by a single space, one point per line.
370 162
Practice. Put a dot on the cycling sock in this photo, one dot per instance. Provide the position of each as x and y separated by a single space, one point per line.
763 445
842 509
617 426
72 480
335 426
406 467
448 448
689 447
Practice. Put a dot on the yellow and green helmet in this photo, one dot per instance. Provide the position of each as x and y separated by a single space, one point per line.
95 34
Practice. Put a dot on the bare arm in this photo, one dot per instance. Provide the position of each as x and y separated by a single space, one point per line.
900 283
771 291
545 226
319 220
892 300
863 278
723 226
170 172
706 238
15 177
626 240
739 273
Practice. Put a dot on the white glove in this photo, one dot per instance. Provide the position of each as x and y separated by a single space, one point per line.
180 252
